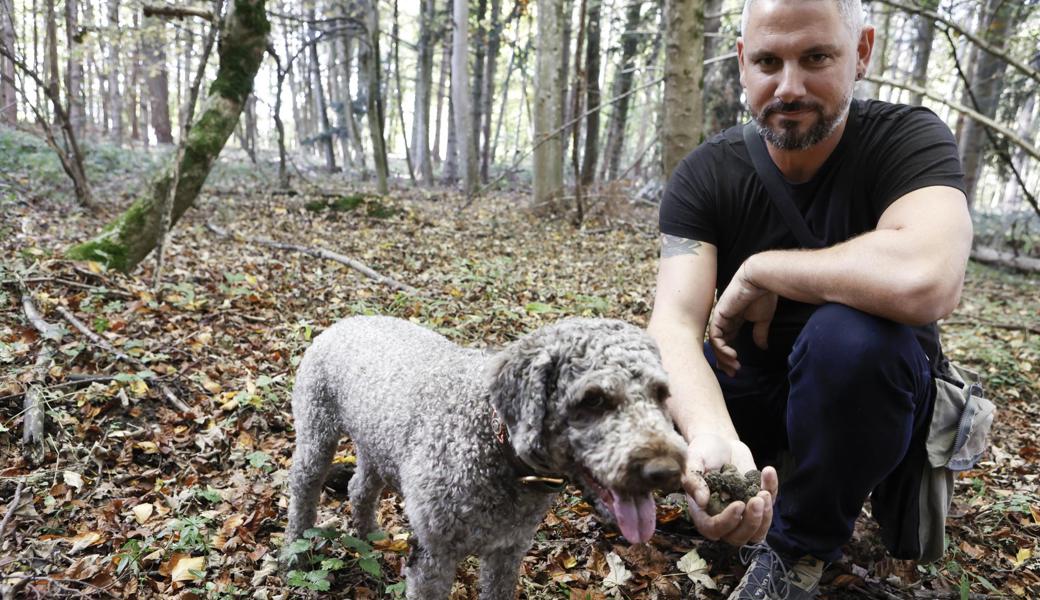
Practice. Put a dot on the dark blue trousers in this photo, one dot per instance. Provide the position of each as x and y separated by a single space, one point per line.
851 410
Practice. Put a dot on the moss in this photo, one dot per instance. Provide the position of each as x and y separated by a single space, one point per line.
113 246
240 58
106 251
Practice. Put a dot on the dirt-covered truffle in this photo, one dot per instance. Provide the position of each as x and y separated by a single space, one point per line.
728 486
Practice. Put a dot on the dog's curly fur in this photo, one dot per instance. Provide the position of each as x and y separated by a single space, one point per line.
583 397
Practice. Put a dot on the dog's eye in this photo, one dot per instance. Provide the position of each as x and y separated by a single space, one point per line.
594 401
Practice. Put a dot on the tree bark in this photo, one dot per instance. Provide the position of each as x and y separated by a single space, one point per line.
548 113
74 70
115 95
370 63
683 64
722 89
8 93
321 109
494 42
622 84
986 85
128 239
924 36
158 81
592 94
442 85
478 45
133 90
460 96
53 76
423 86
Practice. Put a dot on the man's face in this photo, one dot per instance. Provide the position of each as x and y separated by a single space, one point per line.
798 64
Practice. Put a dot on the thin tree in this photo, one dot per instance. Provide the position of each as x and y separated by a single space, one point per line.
460 97
8 93
320 107
548 116
684 49
423 87
592 94
370 57
623 77
158 80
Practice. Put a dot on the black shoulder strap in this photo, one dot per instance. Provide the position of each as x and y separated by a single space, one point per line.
778 189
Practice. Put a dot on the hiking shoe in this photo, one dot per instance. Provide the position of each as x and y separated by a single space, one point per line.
773 577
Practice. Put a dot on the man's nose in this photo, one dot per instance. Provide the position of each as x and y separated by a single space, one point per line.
791 86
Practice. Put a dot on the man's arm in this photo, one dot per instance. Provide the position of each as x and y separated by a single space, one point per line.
910 269
685 293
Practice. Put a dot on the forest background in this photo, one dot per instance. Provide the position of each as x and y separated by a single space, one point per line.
479 167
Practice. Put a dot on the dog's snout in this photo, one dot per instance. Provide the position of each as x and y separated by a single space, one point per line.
663 472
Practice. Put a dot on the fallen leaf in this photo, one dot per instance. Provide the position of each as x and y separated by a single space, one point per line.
143 512
696 568
85 540
618 574
73 479
182 565
1023 555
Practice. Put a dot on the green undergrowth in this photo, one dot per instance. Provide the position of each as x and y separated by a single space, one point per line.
370 205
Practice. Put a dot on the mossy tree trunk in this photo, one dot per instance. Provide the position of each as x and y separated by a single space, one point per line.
128 239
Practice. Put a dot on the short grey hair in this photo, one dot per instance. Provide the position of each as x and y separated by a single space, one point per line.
851 12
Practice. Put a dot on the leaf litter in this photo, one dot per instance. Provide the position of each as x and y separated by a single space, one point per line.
136 499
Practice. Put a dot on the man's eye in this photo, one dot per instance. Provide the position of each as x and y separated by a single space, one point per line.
818 59
768 62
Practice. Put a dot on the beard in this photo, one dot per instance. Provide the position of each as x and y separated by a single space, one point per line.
787 136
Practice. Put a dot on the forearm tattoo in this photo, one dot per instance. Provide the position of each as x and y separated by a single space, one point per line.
672 245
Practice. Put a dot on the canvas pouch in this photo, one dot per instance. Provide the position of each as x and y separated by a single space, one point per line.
957 438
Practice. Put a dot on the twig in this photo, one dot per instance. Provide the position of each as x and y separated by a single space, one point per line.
73 381
13 506
71 318
33 422
70 283
326 254
989 323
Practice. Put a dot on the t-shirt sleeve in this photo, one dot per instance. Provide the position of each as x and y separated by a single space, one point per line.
920 152
688 207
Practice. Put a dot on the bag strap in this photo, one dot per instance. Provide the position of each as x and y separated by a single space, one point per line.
778 190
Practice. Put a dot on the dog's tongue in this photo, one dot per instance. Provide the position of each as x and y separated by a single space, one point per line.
636 515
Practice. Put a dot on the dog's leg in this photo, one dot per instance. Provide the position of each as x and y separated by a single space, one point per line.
499 570
429 575
311 461
365 488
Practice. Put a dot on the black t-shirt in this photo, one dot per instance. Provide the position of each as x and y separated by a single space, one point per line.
886 151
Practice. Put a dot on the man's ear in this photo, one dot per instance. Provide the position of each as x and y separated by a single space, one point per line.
740 60
864 49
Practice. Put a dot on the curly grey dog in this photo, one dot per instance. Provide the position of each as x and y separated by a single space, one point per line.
473 440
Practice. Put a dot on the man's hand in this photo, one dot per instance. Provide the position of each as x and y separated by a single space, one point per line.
738 524
742 301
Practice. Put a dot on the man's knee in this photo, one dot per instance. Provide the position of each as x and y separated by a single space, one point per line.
842 343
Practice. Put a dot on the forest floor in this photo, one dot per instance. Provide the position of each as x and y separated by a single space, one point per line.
133 498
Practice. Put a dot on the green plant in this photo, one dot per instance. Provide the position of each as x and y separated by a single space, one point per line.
312 555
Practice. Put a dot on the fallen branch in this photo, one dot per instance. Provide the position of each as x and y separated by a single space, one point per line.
326 254
992 256
33 421
74 381
176 12
11 508
98 340
997 324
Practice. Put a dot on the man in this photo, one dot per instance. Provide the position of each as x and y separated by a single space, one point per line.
823 356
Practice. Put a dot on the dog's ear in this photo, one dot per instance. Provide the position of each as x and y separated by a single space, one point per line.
521 382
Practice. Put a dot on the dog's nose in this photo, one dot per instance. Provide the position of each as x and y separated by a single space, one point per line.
663 472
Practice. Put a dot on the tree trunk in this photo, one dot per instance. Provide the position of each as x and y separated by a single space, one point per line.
133 90
8 93
548 113
722 89
592 95
115 96
423 84
683 64
986 85
349 119
74 70
451 153
622 85
321 109
442 85
478 44
158 80
53 76
460 98
879 60
487 96
276 113
128 239
924 35
370 65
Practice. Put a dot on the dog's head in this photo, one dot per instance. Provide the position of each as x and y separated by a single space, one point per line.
585 397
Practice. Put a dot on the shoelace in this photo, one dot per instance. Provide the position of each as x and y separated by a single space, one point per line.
748 554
